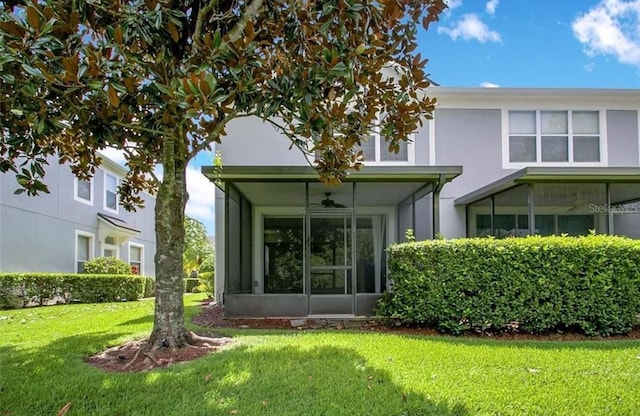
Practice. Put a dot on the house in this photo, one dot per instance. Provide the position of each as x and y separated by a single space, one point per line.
76 221
501 162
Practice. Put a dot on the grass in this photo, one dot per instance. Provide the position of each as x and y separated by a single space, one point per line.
306 373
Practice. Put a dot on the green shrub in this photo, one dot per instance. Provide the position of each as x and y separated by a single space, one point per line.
536 284
106 265
206 284
11 291
149 287
41 288
208 265
191 285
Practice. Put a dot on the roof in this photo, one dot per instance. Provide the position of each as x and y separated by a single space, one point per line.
310 174
631 93
554 174
117 223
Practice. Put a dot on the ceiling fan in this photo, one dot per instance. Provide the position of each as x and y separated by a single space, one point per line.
330 203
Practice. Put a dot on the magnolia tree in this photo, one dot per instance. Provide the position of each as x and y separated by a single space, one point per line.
160 80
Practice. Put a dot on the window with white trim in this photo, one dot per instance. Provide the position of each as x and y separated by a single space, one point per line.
84 249
83 191
376 150
110 192
136 256
110 248
554 137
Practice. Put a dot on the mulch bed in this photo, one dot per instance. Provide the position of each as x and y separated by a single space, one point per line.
133 355
213 317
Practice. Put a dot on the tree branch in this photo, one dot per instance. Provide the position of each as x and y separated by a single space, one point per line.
216 131
202 15
250 12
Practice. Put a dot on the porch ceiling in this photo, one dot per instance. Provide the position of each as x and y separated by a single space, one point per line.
293 194
614 175
375 185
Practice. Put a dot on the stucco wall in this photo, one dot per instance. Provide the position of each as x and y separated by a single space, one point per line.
251 141
622 137
39 233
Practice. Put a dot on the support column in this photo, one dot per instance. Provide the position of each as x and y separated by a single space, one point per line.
435 212
610 226
531 205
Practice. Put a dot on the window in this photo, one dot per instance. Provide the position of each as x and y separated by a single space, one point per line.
554 137
84 249
376 151
135 258
517 225
110 192
109 248
283 254
83 191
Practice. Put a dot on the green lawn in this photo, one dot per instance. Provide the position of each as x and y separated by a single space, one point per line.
306 373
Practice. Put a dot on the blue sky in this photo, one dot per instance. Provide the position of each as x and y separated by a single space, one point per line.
509 43
535 43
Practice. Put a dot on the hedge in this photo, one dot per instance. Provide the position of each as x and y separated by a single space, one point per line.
106 265
191 284
207 283
23 289
536 284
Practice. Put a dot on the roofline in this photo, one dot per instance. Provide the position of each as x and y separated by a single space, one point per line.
111 164
110 220
310 174
528 92
541 174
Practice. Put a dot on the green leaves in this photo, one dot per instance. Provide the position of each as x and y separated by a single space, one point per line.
535 284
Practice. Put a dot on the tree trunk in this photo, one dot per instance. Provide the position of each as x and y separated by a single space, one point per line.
168 326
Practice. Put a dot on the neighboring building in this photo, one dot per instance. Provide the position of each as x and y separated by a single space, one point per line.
492 162
76 221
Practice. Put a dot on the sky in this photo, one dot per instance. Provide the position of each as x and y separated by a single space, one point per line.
535 43
507 43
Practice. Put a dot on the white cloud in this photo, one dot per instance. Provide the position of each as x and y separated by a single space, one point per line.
201 197
491 6
589 67
453 4
470 27
489 85
612 27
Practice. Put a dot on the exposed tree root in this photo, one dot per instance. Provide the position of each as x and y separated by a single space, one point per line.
140 356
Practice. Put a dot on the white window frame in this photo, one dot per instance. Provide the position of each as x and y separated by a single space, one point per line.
141 247
75 191
91 237
114 247
105 190
260 212
508 164
379 142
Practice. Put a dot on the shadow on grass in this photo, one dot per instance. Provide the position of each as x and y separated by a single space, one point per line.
246 380
148 319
